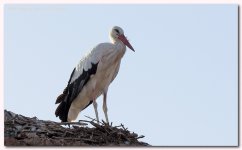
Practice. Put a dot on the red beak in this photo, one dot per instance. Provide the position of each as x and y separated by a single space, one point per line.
125 41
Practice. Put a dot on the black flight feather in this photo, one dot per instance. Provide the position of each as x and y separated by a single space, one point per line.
71 92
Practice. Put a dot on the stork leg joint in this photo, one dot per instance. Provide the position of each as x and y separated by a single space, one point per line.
95 108
105 108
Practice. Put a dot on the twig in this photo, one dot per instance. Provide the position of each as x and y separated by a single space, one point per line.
71 123
124 127
94 120
91 118
66 138
140 137
89 140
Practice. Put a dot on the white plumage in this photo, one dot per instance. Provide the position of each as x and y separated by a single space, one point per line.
92 77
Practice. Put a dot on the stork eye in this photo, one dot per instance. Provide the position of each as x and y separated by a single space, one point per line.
117 30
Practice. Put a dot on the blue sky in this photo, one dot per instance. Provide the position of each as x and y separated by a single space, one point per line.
180 87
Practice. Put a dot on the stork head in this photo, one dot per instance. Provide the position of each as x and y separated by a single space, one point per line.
117 34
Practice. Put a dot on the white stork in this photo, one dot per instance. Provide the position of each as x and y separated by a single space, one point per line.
92 77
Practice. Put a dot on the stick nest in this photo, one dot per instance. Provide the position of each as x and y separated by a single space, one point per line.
24 131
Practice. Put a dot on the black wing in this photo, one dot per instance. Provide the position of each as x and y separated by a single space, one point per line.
71 92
